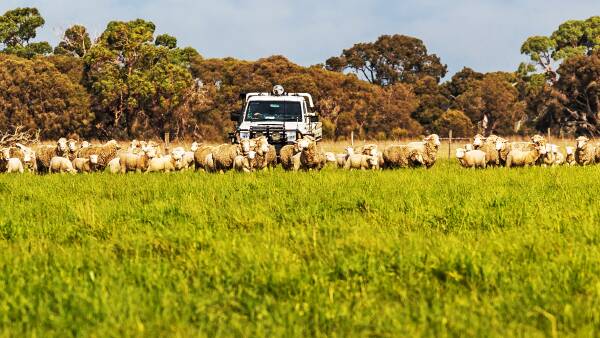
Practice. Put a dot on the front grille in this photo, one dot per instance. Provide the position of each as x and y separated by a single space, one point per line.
275 133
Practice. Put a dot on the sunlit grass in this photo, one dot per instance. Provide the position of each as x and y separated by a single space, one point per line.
445 251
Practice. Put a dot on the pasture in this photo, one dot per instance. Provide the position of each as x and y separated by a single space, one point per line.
439 252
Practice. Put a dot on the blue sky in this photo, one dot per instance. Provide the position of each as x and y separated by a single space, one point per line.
484 35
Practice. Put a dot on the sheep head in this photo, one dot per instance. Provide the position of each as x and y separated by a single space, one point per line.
460 153
62 145
582 142
246 145
478 140
251 154
539 140
349 151
541 149
330 157
84 144
433 139
194 146
72 145
303 143
94 159
262 145
500 144
468 147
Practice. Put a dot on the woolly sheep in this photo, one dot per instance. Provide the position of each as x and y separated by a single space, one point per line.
224 156
524 158
472 158
130 162
14 165
585 152
570 157
165 164
243 163
59 164
201 157
311 156
401 156
114 166
266 155
286 154
45 153
361 161
106 152
85 165
428 149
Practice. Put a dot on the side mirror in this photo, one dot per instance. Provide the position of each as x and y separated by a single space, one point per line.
234 116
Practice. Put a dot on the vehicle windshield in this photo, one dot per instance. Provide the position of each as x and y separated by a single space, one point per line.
273 111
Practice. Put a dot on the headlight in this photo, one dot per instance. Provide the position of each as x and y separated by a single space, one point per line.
290 135
244 134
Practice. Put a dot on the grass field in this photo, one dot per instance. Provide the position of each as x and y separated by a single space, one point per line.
439 252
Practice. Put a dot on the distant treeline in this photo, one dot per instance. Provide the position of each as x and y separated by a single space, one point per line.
129 83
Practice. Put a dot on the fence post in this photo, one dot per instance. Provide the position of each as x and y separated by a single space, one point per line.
548 134
352 138
167 140
449 143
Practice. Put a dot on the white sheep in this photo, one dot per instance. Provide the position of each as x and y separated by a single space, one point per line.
524 158
165 164
114 166
471 158
361 161
59 164
244 163
14 165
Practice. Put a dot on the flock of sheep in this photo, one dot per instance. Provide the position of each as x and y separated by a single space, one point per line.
496 151
71 156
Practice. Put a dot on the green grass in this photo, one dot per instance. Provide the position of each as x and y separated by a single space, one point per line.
440 252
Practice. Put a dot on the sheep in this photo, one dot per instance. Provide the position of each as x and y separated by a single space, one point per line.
165 164
266 155
489 146
330 158
26 155
114 166
401 156
105 152
361 161
524 158
286 155
130 162
85 165
471 158
468 147
85 144
187 160
14 165
585 152
340 159
45 153
59 164
244 163
559 157
570 158
72 149
311 157
428 149
547 159
224 155
202 160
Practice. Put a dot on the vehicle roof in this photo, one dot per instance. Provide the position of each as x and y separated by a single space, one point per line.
276 98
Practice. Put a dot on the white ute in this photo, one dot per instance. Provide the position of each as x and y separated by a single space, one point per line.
281 117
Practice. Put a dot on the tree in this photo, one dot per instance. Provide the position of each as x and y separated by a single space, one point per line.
494 104
572 38
580 93
75 42
454 120
390 59
17 28
36 95
166 40
137 83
